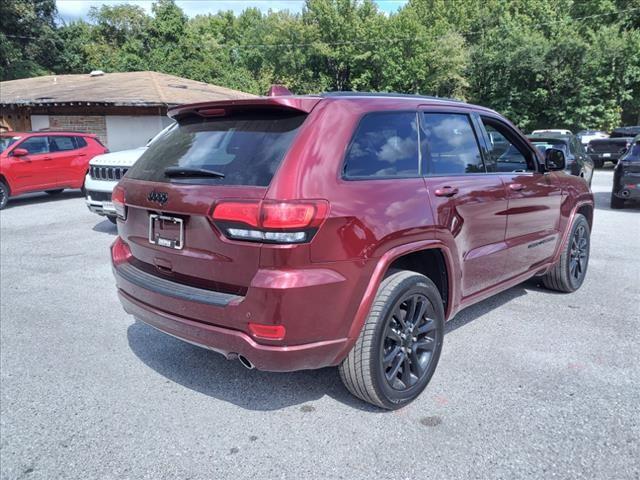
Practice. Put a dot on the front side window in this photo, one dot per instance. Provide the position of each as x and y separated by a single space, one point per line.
61 144
35 145
384 145
6 142
505 154
449 146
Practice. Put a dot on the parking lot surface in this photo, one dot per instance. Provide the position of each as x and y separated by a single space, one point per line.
531 383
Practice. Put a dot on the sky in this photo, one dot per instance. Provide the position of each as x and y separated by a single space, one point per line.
75 9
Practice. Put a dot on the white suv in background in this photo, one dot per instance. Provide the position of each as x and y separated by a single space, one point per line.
105 171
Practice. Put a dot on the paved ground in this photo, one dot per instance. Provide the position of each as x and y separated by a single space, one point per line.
530 384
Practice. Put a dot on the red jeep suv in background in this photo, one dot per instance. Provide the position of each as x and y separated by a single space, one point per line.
44 161
340 230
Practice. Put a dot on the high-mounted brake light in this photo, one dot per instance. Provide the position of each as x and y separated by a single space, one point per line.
272 222
118 200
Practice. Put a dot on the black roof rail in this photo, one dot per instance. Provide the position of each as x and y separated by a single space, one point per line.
387 94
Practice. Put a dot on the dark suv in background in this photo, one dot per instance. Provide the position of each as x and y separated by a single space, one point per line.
340 230
578 162
611 149
626 176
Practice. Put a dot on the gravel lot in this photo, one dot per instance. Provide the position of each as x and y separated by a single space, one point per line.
531 384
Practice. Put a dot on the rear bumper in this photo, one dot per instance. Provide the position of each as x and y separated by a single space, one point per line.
227 341
605 157
316 304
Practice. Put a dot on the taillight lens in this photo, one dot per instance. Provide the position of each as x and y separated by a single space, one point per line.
269 221
118 200
120 251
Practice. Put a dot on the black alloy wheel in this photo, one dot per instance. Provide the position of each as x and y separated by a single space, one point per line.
409 342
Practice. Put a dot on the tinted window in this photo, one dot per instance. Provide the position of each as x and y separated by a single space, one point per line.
35 145
505 154
80 142
6 142
449 145
61 144
384 145
247 149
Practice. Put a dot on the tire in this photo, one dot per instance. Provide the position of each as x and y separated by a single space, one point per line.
567 276
365 372
57 191
112 219
4 194
598 163
616 203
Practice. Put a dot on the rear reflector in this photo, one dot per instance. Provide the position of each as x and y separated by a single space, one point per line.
268 332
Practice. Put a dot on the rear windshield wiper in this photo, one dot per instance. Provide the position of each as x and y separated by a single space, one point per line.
186 172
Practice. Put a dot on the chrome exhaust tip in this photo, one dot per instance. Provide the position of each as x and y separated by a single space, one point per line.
245 362
625 193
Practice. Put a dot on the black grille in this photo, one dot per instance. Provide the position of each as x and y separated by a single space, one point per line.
107 173
99 196
604 147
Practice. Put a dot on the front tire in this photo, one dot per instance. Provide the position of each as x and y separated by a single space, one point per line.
598 163
569 272
398 349
112 219
4 194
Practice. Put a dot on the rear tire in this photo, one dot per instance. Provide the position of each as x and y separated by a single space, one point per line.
616 203
4 194
57 191
569 272
398 349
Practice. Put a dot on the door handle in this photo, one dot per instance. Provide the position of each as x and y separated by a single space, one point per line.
46 158
446 191
516 187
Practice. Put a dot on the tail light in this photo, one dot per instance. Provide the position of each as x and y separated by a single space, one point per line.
271 222
118 200
120 251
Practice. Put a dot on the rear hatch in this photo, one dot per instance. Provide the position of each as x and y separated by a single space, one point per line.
228 154
608 145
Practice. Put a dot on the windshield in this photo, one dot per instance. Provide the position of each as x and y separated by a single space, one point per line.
6 142
245 148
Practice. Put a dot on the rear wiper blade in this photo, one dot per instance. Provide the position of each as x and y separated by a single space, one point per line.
185 172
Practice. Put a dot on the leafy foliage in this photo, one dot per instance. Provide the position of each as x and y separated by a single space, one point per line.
543 63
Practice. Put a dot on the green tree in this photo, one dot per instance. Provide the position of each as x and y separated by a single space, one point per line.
29 41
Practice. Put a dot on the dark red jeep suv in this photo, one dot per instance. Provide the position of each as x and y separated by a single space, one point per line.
301 232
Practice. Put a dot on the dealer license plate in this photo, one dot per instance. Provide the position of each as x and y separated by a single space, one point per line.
166 231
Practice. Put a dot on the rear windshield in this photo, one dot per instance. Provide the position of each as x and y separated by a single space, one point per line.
246 148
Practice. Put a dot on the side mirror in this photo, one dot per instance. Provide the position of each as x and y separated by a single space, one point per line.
20 152
554 159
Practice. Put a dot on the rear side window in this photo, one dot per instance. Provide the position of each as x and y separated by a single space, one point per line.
81 142
35 145
449 146
384 145
246 148
61 144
